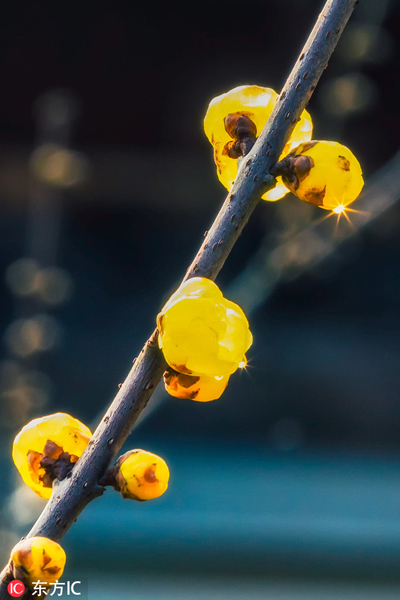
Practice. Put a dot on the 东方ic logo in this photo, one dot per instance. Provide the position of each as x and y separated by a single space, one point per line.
16 588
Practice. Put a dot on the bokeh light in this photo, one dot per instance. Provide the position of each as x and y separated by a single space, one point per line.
25 277
348 94
28 336
58 167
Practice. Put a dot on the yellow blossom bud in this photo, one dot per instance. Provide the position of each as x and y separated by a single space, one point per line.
38 558
190 387
326 174
201 332
141 475
244 111
47 447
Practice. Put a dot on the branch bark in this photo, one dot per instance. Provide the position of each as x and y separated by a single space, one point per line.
71 495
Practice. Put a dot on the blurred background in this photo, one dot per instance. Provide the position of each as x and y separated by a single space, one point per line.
288 487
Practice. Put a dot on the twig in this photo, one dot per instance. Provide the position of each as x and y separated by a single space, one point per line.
71 495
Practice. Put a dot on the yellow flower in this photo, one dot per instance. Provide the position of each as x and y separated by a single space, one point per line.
190 387
253 105
38 558
326 174
45 445
201 332
141 475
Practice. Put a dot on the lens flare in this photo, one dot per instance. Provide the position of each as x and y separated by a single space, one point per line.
339 209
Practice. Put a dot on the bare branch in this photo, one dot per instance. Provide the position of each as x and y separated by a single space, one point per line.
72 494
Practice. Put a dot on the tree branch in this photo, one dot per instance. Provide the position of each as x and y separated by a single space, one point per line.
71 495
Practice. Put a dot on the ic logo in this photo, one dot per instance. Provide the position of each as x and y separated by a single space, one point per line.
16 588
